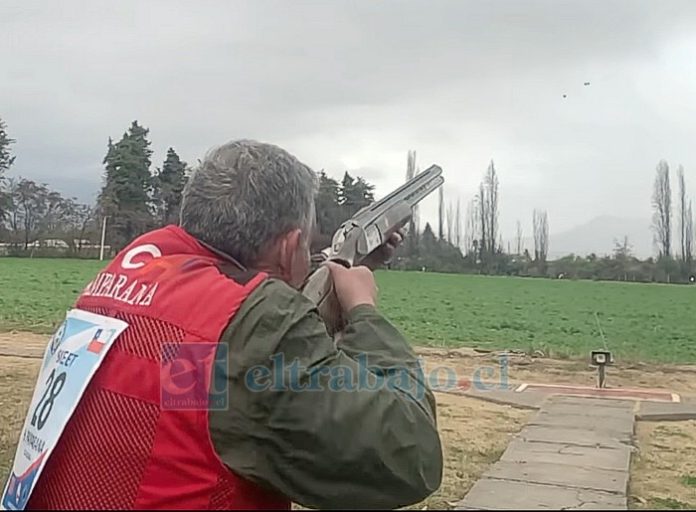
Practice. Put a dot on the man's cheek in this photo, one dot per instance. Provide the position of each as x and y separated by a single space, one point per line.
305 266
300 268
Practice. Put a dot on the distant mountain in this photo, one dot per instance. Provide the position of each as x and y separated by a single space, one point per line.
598 236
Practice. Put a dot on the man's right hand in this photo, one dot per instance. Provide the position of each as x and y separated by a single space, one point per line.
354 286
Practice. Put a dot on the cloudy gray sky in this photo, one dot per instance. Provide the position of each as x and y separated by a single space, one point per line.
354 85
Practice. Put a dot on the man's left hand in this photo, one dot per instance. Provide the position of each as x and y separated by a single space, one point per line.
383 254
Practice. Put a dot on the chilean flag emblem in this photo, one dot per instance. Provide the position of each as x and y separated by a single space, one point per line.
96 345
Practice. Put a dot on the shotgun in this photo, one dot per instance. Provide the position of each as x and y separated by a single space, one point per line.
363 233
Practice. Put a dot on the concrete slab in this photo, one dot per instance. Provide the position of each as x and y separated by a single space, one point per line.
617 459
619 411
610 393
492 494
655 411
571 436
564 474
615 421
589 403
575 454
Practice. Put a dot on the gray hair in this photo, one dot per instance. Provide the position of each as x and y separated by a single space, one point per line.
244 195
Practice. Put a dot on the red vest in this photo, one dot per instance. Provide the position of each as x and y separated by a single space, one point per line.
139 438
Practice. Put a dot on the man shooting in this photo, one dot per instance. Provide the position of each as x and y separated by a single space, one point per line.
213 311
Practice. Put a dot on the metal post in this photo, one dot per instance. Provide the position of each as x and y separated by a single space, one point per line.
601 376
103 236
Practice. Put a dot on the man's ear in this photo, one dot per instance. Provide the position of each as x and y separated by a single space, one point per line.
289 245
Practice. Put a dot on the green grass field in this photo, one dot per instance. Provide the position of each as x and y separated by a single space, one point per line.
35 293
648 322
640 321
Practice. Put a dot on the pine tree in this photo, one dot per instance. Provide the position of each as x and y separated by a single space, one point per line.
355 194
428 238
168 186
125 196
327 205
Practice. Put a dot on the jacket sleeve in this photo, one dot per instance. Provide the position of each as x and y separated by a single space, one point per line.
329 424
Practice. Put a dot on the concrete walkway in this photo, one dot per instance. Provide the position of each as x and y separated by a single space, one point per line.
574 455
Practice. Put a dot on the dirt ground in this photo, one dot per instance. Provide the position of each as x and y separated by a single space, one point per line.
663 470
23 344
474 433
466 363
17 379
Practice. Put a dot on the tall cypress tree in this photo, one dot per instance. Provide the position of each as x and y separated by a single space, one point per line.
355 194
327 204
125 196
168 186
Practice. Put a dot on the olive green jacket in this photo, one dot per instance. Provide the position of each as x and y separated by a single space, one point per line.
328 423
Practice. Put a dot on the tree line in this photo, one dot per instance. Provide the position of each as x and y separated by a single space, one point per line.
136 197
475 243
31 212
36 220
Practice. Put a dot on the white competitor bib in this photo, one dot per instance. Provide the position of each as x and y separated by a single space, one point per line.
72 356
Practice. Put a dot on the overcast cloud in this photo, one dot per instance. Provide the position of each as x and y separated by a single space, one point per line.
355 85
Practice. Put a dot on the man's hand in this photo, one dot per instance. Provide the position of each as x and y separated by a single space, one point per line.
383 255
354 286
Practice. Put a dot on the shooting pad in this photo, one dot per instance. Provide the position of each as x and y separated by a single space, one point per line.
654 395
